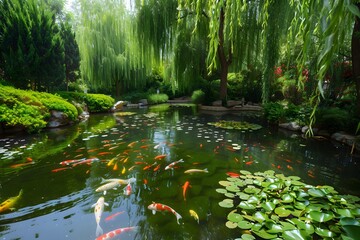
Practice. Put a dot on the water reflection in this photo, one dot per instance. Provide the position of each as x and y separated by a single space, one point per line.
57 204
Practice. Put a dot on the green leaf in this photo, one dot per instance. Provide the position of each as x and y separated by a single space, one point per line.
244 172
343 212
245 224
296 235
354 9
260 217
303 226
349 221
247 237
234 217
287 198
263 234
287 226
321 216
282 212
324 232
225 183
268 206
226 203
231 225
246 205
233 188
274 228
221 190
315 192
352 231
243 196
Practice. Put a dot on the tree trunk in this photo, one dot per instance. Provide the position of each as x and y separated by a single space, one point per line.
224 62
355 52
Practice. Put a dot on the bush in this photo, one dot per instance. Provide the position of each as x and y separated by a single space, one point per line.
157 98
94 102
274 112
335 119
30 109
198 97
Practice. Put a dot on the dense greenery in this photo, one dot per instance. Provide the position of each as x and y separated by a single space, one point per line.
29 109
272 206
157 98
93 102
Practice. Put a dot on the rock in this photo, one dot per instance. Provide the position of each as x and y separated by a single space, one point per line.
118 106
57 119
343 137
143 102
293 126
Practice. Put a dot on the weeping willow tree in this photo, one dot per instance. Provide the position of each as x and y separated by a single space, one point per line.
108 48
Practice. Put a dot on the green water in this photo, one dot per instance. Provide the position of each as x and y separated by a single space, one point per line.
56 203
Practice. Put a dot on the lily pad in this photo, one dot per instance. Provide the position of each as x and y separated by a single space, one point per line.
225 183
268 206
231 225
260 217
296 235
235 217
324 233
226 203
321 216
263 234
343 212
246 205
247 237
287 198
282 212
244 172
349 221
221 190
245 224
243 196
315 192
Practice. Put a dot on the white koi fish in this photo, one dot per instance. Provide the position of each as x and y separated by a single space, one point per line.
116 232
197 171
171 165
159 207
108 186
99 209
122 181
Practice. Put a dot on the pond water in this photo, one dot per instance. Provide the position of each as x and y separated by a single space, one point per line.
57 199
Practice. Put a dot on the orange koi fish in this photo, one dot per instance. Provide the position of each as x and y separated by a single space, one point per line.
157 167
159 207
232 174
104 153
132 144
159 157
68 162
185 187
149 166
21 164
113 216
60 169
116 232
144 146
115 167
86 161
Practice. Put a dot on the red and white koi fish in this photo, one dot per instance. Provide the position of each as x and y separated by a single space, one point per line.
98 211
127 189
113 216
68 162
159 207
86 161
171 165
116 232
197 171
185 187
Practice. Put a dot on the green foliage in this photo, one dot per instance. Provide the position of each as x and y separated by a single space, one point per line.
275 112
94 102
274 206
198 97
32 52
31 109
334 119
246 84
157 98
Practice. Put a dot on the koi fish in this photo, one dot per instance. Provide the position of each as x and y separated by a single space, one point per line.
171 165
98 211
157 167
159 157
114 233
127 189
232 174
108 186
132 144
157 146
68 162
185 187
159 207
86 161
104 153
194 215
121 181
123 170
149 166
21 164
115 167
194 170
10 202
60 169
113 216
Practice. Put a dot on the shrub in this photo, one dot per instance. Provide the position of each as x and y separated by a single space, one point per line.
335 119
157 98
198 97
274 112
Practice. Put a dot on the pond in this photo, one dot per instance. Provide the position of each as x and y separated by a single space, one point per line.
57 199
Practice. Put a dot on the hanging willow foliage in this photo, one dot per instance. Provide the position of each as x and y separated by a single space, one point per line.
108 46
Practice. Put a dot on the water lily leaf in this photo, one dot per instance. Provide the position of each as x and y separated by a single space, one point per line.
269 173
349 221
304 226
248 217
324 232
300 205
315 192
252 189
268 206
287 226
294 178
274 186
257 182
221 190
298 213
244 172
321 216
260 217
352 231
249 181
253 200
234 217
247 237
226 203
302 196
246 206
282 212
313 207
232 188
296 235
243 196
274 228
225 183
230 224
245 224
230 195
287 198
343 212
263 234
297 183
355 212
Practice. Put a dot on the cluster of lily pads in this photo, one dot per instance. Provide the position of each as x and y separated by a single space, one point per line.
273 206
244 126
121 114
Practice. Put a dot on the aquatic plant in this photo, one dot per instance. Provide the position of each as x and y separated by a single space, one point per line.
235 125
271 206
124 113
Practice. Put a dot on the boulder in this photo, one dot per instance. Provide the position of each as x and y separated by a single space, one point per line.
57 119
343 137
118 106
